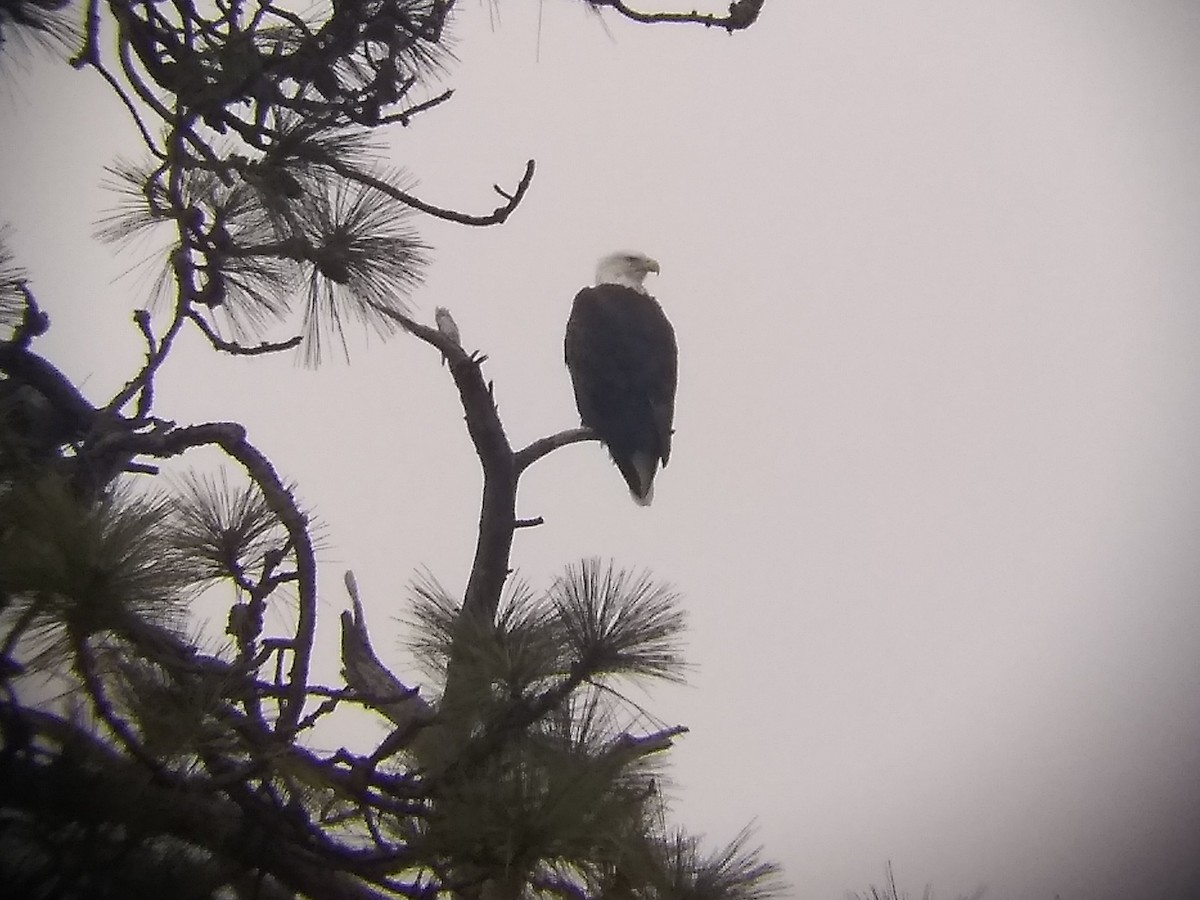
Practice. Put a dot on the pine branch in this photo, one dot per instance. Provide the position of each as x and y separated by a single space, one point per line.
496 217
17 361
231 438
102 785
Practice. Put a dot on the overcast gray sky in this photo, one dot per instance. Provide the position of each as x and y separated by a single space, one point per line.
933 503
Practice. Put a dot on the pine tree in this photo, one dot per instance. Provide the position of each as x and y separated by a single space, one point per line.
163 768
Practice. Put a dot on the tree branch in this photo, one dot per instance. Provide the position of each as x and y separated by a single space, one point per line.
497 516
370 679
108 786
440 746
742 14
405 116
18 362
236 349
121 438
231 438
499 215
527 456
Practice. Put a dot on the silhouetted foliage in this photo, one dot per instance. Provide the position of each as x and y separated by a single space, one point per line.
889 891
141 760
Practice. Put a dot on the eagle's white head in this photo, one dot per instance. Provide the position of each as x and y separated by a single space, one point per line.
625 267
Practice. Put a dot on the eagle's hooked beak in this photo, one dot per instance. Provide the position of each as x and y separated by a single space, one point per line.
652 266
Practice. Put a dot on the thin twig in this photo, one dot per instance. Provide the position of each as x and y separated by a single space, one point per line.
742 14
236 349
155 357
405 116
124 97
499 215
141 318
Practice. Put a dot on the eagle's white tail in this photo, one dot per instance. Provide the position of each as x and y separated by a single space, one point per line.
645 465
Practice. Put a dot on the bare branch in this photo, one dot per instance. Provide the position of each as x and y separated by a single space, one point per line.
499 215
497 517
141 318
369 677
405 116
236 349
155 357
742 14
123 96
527 456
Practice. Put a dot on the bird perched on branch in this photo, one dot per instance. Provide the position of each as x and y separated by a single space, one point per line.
621 352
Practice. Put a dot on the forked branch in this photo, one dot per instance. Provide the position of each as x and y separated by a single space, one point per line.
502 467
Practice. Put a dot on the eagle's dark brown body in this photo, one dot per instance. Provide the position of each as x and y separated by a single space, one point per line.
621 352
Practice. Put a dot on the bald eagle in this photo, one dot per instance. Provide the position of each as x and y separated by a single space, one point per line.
621 352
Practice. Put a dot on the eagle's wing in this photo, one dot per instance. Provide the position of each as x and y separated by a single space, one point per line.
623 359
